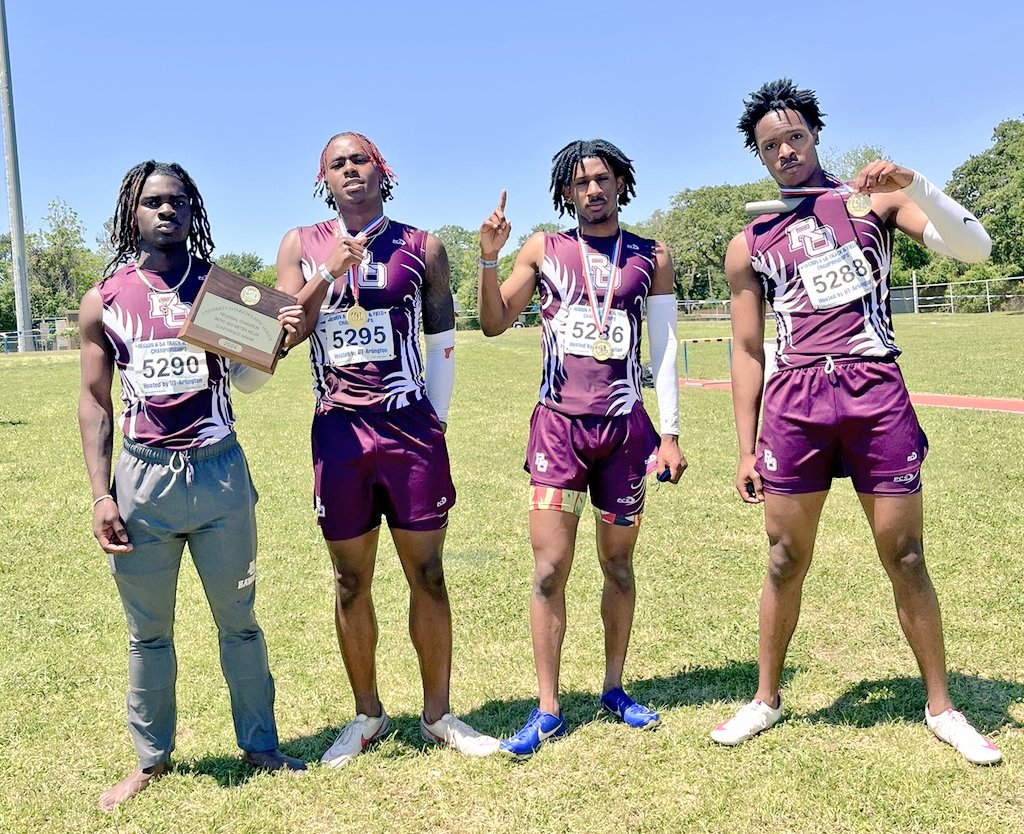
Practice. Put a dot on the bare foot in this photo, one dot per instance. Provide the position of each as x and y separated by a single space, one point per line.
272 760
138 780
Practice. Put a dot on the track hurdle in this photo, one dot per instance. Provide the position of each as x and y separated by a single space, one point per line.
686 359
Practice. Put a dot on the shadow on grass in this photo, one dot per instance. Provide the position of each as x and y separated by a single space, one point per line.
700 685
502 717
984 701
233 771
696 686
404 739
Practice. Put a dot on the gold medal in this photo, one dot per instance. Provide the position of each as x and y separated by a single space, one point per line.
356 315
858 204
602 350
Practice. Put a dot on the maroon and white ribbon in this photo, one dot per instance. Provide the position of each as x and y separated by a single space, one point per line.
371 230
600 319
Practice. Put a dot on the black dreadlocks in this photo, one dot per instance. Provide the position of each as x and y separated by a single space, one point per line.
780 94
124 236
563 170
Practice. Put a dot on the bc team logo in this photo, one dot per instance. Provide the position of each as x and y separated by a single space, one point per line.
807 235
600 266
166 306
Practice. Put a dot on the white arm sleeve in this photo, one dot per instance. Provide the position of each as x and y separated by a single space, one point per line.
439 373
661 336
952 230
247 379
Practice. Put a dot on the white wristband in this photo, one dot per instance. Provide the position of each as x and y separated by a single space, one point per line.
952 230
325 274
101 498
661 336
439 372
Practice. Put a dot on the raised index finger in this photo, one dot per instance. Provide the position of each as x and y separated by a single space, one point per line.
501 201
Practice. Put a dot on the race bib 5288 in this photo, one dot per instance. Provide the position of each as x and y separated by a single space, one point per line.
837 276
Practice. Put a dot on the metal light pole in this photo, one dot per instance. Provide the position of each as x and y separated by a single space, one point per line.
19 274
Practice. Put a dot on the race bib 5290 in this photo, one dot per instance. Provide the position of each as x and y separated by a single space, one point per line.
168 366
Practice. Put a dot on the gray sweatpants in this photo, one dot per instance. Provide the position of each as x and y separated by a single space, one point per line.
204 498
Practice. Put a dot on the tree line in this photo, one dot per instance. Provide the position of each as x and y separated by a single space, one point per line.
696 228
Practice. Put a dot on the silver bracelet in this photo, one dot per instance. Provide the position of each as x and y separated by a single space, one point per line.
102 498
486 264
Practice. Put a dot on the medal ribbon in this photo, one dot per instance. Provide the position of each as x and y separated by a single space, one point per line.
833 183
600 320
371 230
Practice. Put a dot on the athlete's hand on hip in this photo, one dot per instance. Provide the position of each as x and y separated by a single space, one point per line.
748 482
881 176
670 459
494 231
293 320
108 528
347 253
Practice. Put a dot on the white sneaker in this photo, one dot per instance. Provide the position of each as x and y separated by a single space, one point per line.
355 737
752 718
452 732
953 728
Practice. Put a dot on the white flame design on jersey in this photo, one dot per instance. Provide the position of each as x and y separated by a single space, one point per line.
565 285
406 382
876 340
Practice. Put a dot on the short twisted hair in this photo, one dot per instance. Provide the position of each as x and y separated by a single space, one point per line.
781 94
563 169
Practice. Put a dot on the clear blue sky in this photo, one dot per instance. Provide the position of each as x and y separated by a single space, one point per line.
467 98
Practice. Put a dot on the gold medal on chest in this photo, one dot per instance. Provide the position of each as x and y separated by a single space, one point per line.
356 315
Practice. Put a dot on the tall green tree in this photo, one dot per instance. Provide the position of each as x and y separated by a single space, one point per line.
846 165
462 247
57 258
244 263
104 248
467 291
8 319
697 230
61 268
991 184
266 275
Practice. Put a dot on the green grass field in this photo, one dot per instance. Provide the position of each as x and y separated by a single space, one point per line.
853 754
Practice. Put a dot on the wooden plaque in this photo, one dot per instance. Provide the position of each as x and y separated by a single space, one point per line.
237 318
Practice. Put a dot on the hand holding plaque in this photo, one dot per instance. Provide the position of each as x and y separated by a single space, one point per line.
237 318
